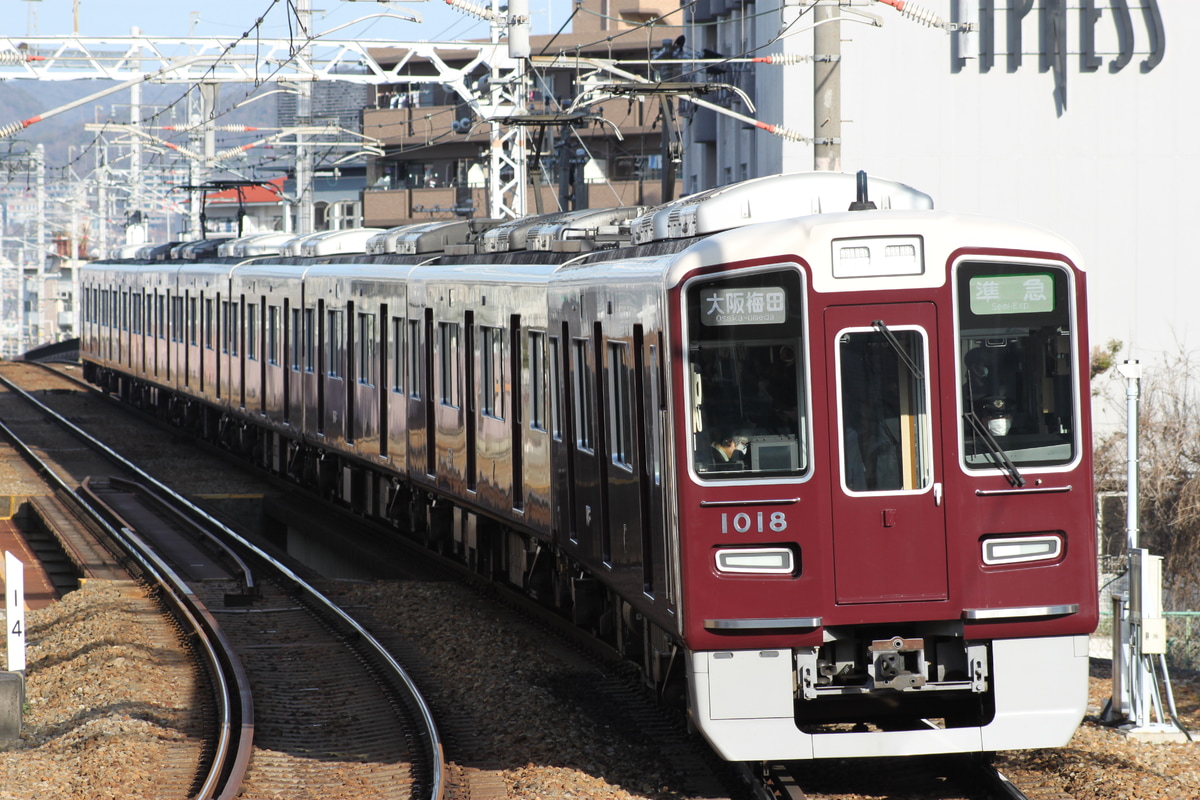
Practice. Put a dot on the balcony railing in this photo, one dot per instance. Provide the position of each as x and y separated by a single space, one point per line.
386 208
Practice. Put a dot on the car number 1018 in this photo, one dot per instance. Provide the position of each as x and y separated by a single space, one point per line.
759 522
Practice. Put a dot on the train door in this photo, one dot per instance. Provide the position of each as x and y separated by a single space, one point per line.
294 385
311 329
334 376
625 484
584 479
889 526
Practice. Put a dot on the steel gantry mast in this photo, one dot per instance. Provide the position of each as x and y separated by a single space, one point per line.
209 61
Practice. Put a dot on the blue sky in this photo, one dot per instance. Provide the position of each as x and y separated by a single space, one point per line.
232 18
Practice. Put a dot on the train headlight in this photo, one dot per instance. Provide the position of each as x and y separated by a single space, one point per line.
756 561
1022 549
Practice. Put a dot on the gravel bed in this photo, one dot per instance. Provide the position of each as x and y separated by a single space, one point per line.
104 704
109 701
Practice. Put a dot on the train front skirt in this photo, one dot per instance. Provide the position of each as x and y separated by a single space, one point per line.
744 704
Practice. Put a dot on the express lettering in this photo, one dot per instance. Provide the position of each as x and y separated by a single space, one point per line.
1052 16
1052 32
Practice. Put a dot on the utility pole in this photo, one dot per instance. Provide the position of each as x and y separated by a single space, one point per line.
1140 630
204 140
135 159
305 221
827 87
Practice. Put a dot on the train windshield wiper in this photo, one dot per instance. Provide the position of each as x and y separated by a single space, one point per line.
891 339
994 449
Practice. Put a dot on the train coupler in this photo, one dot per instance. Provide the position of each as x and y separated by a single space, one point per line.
898 663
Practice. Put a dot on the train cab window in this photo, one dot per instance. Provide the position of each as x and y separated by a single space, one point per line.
886 438
1016 366
746 375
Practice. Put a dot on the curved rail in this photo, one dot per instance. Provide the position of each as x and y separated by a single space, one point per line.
229 765
435 750
235 700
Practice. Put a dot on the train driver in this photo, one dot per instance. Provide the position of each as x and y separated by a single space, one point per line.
729 450
985 389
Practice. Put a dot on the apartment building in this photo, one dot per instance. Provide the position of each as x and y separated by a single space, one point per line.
437 151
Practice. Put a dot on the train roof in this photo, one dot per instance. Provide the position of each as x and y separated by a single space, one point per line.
905 247
703 223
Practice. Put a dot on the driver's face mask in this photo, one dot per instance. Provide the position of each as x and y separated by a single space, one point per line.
998 426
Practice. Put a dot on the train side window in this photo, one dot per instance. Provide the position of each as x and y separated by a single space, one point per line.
176 319
397 354
296 356
237 327
274 335
582 387
193 321
448 336
209 327
367 350
252 331
491 357
620 419
1017 373
556 387
415 347
537 380
886 436
334 337
310 340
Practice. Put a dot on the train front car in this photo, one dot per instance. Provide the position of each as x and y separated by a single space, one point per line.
885 515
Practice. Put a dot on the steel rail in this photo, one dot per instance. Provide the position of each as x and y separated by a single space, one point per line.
217 654
431 738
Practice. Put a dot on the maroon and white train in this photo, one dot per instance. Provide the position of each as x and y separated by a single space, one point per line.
828 469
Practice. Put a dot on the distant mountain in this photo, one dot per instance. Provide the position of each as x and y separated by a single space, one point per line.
65 138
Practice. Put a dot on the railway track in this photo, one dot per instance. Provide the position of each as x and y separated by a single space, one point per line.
943 777
301 700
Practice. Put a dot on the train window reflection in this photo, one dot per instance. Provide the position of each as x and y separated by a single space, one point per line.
1016 368
746 376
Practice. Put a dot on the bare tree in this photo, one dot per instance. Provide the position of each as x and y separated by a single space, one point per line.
1168 466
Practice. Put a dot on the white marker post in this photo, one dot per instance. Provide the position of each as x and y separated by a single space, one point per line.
14 609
